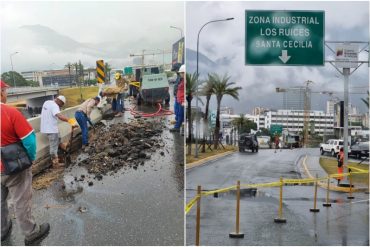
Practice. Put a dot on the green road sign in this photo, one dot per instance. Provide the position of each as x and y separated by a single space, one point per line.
276 128
288 38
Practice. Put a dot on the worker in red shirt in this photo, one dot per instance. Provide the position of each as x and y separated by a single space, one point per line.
180 97
15 128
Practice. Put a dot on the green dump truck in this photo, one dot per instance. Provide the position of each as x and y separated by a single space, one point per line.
154 88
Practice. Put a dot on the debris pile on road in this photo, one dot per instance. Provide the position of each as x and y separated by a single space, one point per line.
122 145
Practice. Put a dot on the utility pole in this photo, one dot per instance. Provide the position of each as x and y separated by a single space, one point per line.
346 65
306 114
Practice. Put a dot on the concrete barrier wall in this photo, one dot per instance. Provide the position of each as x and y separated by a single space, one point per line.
64 128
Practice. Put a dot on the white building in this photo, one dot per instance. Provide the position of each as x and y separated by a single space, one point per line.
293 121
226 122
33 76
226 110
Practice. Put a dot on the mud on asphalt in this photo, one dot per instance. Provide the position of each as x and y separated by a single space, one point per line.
111 148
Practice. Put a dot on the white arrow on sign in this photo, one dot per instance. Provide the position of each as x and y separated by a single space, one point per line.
284 56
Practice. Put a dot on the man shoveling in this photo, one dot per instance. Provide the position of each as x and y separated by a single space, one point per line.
82 116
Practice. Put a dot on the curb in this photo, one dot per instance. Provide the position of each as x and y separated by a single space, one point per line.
207 160
331 187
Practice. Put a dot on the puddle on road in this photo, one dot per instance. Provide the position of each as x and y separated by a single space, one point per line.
250 192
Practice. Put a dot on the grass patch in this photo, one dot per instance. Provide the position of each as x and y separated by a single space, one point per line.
208 153
73 95
331 167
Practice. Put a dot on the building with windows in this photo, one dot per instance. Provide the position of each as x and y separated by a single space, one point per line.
293 98
293 121
226 110
61 77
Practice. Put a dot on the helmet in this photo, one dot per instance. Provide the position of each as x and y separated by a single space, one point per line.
182 69
3 84
62 98
117 76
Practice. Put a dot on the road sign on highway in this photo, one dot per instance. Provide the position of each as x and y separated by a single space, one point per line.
276 129
100 71
287 38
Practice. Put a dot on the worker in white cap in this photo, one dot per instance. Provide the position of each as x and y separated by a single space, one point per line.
49 125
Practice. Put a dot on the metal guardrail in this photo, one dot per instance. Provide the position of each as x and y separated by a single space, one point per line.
20 90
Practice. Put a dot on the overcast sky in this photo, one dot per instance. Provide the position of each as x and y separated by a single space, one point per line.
223 42
59 32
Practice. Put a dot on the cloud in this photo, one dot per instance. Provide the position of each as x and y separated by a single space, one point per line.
65 31
223 42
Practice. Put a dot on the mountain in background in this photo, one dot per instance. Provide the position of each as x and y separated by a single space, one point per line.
56 42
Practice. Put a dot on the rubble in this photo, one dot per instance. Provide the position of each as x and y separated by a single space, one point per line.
121 145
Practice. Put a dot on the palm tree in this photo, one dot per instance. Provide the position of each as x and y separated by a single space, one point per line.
75 67
107 71
366 101
69 65
222 87
239 122
191 88
206 91
191 82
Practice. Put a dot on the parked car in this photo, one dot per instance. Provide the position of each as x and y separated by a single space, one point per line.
248 141
332 146
360 149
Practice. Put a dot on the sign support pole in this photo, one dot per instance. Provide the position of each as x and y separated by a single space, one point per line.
346 72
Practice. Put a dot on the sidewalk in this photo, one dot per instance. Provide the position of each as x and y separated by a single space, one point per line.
309 166
207 160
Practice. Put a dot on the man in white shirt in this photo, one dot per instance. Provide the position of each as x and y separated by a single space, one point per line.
49 125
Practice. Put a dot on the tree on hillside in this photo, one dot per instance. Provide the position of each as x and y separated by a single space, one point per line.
19 80
222 87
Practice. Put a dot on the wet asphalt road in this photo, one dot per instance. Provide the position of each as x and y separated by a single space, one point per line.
132 207
345 223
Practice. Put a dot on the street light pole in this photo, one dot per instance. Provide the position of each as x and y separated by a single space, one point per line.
177 29
196 100
11 62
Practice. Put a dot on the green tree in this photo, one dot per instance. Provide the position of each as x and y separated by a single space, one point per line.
239 122
191 88
75 67
69 66
107 70
207 91
221 88
366 100
263 132
243 124
80 71
19 80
